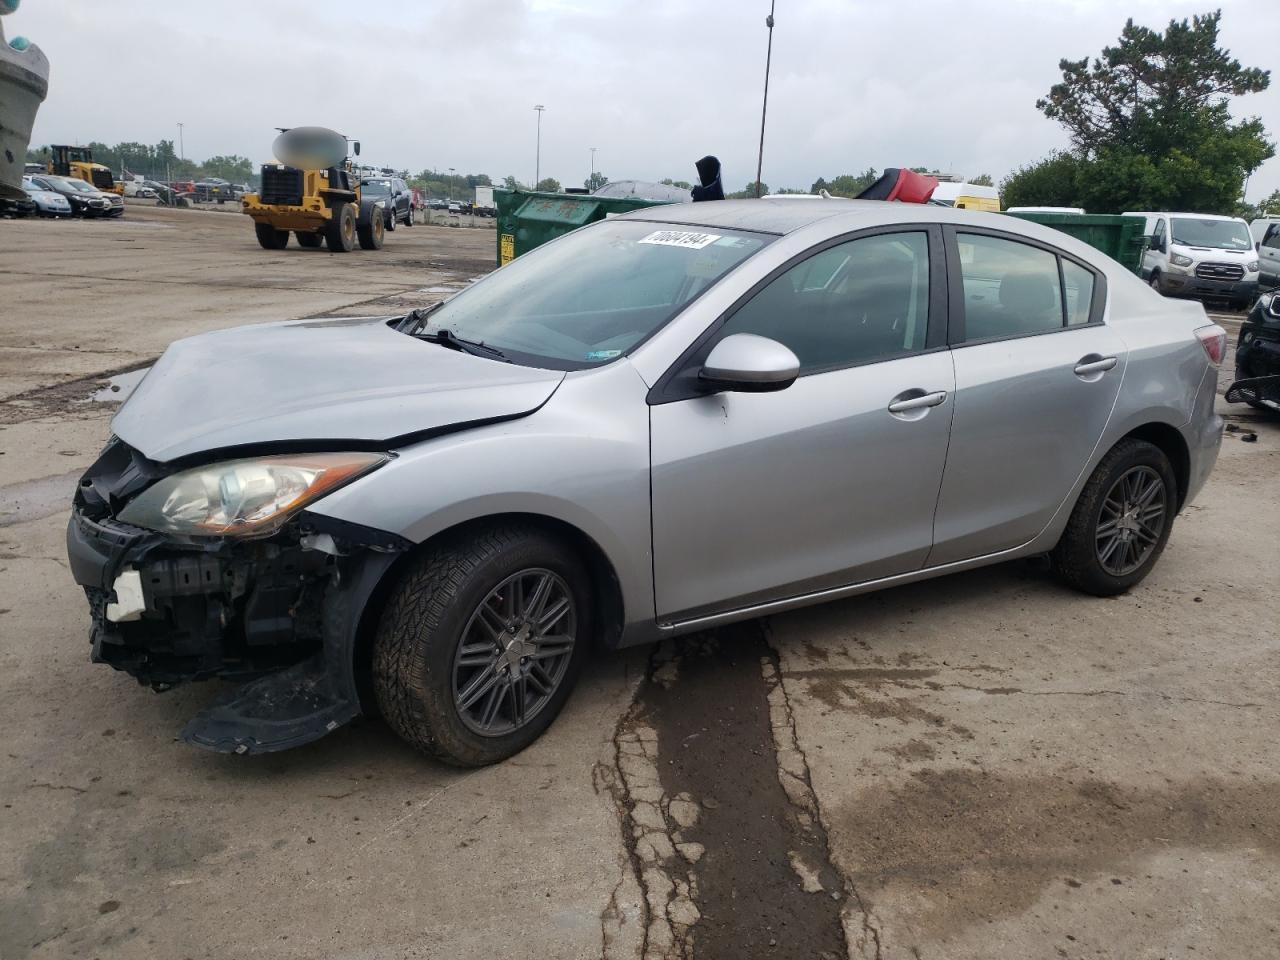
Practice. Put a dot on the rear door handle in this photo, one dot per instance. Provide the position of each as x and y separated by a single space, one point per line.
918 402
1094 364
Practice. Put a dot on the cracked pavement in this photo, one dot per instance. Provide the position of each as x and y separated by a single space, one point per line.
985 765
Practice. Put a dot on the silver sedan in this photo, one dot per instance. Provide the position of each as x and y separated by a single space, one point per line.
682 417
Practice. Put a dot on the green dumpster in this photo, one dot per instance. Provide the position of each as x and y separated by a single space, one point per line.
1121 238
527 219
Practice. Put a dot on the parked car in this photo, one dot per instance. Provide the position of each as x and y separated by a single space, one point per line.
85 199
1258 345
676 418
214 189
17 207
1266 238
139 189
454 208
1200 255
49 203
396 196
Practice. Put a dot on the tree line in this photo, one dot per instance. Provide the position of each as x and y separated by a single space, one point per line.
160 161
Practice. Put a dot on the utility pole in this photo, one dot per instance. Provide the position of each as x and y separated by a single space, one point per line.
451 183
537 168
764 109
182 150
593 163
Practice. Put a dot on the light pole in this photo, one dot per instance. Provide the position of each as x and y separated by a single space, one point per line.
768 58
451 183
593 164
537 159
182 151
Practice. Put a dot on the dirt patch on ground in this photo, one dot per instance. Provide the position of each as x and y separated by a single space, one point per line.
765 885
977 846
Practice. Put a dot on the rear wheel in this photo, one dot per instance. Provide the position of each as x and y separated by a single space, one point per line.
340 232
481 643
1121 522
309 240
1155 282
372 234
408 216
270 237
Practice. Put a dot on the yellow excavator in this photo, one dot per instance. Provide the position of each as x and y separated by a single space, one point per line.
78 162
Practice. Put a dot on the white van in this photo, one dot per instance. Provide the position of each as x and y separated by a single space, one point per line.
1200 255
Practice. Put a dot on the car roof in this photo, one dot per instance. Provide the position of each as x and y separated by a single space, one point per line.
782 215
1176 213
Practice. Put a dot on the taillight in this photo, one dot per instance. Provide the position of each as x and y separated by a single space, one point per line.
1214 340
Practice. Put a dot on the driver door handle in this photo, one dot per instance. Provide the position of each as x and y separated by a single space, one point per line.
1088 366
918 403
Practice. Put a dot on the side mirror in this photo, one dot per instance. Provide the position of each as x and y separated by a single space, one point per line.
746 363
357 148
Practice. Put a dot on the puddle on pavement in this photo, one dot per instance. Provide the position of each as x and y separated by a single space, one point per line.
118 387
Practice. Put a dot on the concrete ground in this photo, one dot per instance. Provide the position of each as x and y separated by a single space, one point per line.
985 765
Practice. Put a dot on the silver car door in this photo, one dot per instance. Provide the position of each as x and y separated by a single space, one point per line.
833 480
1037 375
1269 258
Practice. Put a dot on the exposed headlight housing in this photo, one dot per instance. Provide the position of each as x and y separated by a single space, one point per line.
1251 266
244 498
1178 260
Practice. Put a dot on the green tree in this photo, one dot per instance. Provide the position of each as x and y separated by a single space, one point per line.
548 185
748 192
1053 182
237 169
681 184
510 182
1151 126
982 180
595 181
847 184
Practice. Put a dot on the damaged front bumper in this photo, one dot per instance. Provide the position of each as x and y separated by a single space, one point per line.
281 612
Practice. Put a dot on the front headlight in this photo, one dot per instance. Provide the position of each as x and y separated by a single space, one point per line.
1251 266
1178 260
244 498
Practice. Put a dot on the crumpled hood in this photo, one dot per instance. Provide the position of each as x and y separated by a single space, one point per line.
317 381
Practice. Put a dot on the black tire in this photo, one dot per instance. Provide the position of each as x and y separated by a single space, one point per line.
430 613
408 216
270 237
1078 557
310 241
340 231
1155 282
389 215
372 234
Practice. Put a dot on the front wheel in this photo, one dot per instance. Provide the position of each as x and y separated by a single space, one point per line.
408 216
481 643
307 239
372 234
1121 522
340 232
1155 283
270 238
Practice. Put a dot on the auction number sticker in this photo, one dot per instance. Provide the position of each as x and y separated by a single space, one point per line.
681 238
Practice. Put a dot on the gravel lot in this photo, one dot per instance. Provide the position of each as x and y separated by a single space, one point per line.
982 766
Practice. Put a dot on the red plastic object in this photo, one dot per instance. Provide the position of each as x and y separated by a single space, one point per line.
901 184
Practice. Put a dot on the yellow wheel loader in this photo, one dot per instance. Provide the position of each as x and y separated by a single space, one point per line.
313 193
77 162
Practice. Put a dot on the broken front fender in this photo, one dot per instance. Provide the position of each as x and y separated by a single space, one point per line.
281 612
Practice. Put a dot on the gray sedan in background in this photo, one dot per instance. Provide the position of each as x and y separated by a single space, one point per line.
669 420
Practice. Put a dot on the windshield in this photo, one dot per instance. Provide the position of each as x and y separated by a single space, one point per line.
1219 234
80 185
595 293
376 187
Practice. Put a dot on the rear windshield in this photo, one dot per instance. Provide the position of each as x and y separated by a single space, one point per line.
1220 234
376 186
592 295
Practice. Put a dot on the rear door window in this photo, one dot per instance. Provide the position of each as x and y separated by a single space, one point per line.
1011 289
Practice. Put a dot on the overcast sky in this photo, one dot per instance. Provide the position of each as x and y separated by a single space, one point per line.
653 84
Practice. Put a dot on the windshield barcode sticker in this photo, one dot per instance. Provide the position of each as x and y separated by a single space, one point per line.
681 238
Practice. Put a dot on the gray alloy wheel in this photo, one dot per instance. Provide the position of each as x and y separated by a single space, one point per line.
1131 521
514 652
